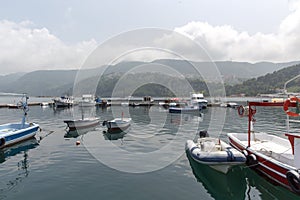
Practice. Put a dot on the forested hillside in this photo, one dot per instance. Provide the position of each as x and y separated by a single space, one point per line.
270 83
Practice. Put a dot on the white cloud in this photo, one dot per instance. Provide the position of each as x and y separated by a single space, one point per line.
226 43
24 48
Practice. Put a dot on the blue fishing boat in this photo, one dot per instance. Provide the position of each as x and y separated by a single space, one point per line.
12 133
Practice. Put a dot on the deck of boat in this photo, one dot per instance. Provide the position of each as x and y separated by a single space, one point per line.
280 152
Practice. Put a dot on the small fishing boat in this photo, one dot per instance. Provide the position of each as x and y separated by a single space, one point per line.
12 133
198 98
275 157
82 123
215 153
147 101
63 101
173 102
229 105
117 125
87 100
185 109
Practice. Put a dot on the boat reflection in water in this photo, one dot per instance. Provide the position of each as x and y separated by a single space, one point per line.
8 152
259 187
178 119
14 177
113 136
220 186
78 132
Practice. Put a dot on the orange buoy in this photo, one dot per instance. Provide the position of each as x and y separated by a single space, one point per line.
286 107
77 142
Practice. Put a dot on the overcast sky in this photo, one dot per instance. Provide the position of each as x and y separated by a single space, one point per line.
55 34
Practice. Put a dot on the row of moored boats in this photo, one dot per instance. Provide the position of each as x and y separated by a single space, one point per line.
276 157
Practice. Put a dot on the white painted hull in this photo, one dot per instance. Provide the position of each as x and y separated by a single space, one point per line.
59 103
81 124
118 124
215 153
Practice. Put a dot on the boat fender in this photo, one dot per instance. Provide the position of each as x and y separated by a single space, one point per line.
251 161
293 178
245 152
104 123
2 142
286 107
241 110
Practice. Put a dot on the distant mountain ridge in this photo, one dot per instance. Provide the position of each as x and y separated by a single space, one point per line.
59 82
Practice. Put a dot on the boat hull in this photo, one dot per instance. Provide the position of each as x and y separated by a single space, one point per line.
220 157
82 124
60 104
11 134
118 125
271 168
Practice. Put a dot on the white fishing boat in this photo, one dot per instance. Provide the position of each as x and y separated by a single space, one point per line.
186 109
63 101
275 157
215 153
87 100
198 98
12 133
229 105
82 123
117 124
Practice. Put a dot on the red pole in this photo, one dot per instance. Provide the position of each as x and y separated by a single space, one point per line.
249 123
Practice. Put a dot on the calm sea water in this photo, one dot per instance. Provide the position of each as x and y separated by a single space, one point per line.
148 162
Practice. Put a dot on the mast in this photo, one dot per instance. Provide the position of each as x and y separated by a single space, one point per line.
24 106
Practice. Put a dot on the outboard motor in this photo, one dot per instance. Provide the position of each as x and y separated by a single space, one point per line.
203 134
104 123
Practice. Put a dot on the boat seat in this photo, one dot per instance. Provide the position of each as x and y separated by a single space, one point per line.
8 130
209 144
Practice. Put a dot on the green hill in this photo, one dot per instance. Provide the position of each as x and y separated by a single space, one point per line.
270 83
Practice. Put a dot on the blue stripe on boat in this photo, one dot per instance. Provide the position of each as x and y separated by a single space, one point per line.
22 134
